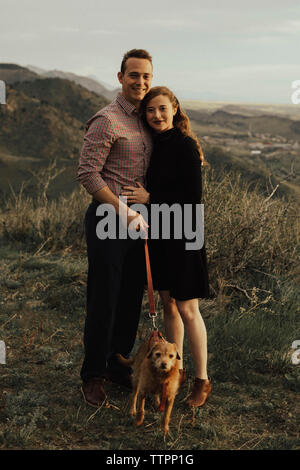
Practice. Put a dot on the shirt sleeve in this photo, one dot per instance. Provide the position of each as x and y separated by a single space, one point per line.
97 143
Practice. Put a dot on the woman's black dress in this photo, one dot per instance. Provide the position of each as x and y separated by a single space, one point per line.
174 176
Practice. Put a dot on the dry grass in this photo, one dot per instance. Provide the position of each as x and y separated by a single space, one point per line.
253 250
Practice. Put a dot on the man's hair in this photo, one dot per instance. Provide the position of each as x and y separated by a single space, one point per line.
138 54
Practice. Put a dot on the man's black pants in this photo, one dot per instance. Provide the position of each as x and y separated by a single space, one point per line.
115 287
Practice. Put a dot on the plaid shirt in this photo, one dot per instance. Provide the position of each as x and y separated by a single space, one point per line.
116 149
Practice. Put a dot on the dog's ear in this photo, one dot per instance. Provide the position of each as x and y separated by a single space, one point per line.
150 353
177 355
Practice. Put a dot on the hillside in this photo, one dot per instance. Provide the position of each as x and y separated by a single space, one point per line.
252 322
43 120
260 145
12 73
89 83
63 95
252 318
258 124
245 109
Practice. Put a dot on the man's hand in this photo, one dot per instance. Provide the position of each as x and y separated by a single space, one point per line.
136 194
130 219
135 221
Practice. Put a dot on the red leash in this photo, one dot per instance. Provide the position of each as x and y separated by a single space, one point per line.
152 312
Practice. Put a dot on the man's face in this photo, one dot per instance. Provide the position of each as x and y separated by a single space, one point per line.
136 80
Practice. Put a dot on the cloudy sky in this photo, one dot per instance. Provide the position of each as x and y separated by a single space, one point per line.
219 50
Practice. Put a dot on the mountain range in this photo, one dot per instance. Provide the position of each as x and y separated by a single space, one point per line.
43 119
12 73
46 111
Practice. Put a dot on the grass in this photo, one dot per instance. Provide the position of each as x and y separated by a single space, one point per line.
253 405
251 322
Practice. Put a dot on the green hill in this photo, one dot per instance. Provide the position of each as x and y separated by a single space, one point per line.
43 120
64 95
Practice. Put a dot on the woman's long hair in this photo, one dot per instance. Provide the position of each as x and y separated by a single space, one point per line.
180 120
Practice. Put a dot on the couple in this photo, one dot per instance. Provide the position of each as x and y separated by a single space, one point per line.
140 140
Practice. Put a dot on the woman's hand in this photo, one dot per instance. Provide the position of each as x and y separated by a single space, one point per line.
136 194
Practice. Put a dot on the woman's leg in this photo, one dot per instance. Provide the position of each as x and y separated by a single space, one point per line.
196 333
173 323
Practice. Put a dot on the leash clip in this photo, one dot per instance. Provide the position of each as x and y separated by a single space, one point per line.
152 313
153 316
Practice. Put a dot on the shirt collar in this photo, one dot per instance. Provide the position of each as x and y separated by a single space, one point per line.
128 107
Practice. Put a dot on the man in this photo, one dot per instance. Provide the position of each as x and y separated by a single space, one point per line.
116 153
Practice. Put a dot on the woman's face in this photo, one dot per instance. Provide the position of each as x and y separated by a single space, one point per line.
159 113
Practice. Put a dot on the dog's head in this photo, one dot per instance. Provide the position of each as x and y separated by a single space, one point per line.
163 356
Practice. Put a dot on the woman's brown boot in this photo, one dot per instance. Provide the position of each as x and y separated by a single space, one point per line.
201 390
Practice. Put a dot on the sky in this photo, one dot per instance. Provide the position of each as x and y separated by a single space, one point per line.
216 50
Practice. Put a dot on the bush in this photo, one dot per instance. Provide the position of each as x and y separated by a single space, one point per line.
251 240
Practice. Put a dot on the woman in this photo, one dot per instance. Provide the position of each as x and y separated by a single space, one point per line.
180 275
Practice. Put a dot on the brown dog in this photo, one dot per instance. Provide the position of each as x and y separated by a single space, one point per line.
155 371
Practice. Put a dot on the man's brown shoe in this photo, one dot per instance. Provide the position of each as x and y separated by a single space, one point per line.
93 392
201 390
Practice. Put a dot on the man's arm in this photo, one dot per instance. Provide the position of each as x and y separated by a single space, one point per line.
97 144
127 215
105 195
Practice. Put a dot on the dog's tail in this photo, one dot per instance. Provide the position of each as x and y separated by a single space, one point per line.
124 361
